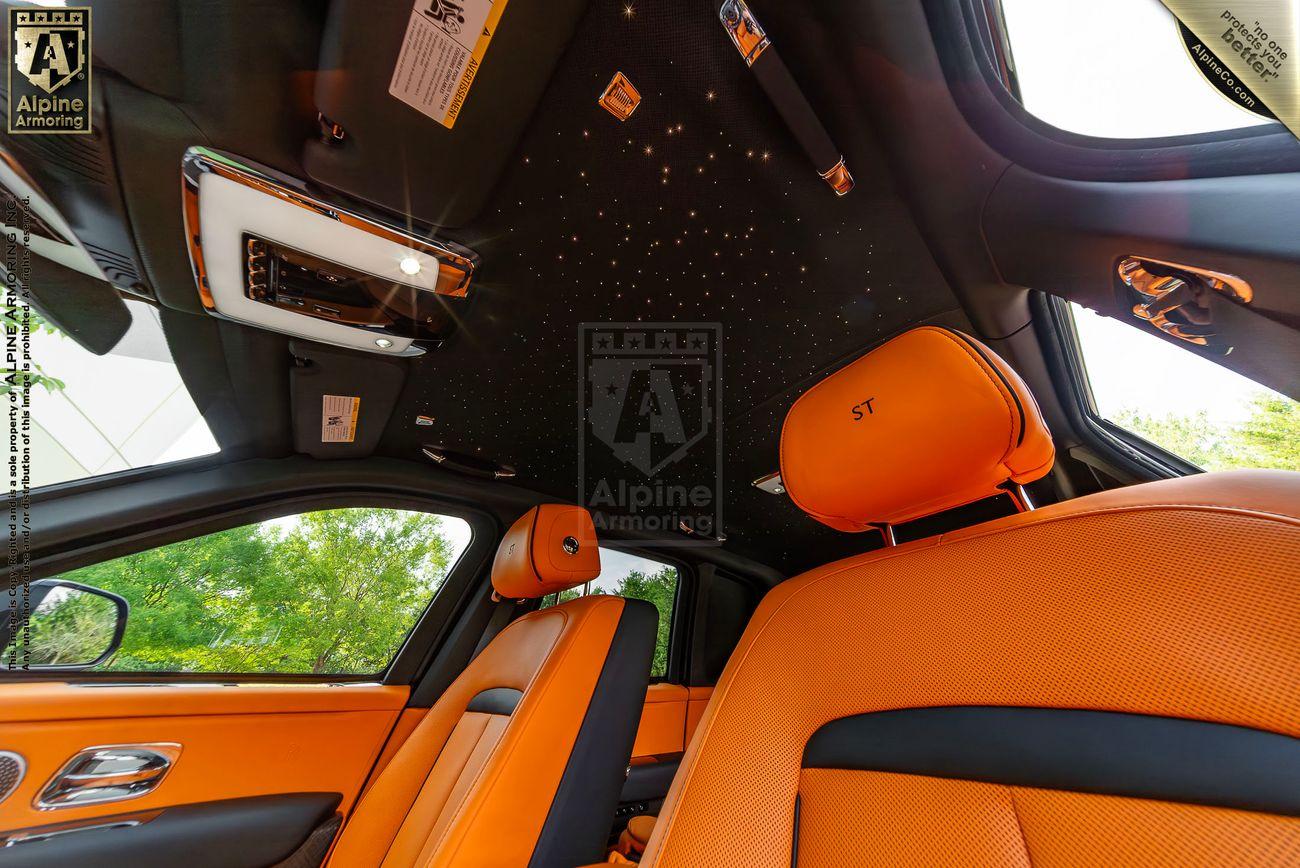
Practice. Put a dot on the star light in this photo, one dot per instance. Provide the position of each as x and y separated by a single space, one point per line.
629 11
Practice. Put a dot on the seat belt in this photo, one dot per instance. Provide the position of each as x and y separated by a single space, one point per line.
502 615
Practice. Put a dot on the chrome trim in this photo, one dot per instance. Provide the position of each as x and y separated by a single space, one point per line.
1235 288
746 33
1156 297
455 270
839 178
620 97
1019 496
887 532
21 762
91 778
438 456
34 837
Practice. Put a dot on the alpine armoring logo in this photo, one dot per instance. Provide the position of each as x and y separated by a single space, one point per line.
650 445
49 49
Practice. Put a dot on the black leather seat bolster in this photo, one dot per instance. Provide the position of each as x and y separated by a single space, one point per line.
1141 756
583 809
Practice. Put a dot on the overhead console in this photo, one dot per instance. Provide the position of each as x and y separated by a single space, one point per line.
270 252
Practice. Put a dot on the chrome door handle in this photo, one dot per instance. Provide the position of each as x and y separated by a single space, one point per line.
108 773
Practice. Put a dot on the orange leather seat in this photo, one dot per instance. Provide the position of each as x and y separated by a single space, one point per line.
520 761
1107 681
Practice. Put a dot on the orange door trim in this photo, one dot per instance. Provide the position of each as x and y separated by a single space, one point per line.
236 741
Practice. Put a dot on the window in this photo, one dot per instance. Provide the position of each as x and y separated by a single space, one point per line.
93 415
1201 412
628 575
333 592
1134 79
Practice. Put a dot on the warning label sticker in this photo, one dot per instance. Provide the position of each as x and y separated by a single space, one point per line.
444 45
338 421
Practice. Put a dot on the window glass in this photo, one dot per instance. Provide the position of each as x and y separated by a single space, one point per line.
332 592
93 415
1211 416
628 575
1132 79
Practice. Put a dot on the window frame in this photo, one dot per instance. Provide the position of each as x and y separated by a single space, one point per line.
416 647
967 49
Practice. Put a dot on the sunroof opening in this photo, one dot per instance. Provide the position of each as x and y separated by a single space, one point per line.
1134 80
93 415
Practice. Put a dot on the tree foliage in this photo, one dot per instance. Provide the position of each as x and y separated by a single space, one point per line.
659 588
12 317
335 591
69 627
1270 436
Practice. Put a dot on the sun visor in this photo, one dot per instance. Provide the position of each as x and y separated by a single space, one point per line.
84 308
422 103
342 400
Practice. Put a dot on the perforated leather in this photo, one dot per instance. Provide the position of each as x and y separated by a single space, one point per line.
473 788
928 822
1177 598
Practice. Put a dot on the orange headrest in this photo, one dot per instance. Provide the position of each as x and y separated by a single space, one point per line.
929 420
550 548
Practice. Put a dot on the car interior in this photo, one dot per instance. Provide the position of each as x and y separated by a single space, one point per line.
987 543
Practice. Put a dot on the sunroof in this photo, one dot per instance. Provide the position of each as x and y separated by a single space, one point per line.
93 415
1135 80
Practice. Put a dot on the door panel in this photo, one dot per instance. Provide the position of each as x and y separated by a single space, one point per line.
235 740
663 721
235 833
668 720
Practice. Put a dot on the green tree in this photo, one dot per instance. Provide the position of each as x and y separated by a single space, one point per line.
11 316
335 591
659 588
1269 437
70 627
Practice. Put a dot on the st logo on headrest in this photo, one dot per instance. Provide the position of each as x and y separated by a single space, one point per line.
858 414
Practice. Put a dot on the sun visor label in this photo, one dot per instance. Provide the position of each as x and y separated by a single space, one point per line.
338 422
444 45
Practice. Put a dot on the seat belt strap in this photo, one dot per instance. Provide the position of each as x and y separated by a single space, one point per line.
502 614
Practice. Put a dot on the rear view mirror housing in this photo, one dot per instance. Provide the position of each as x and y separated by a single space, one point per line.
63 625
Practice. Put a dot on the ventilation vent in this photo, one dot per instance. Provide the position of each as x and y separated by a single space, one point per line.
12 767
120 270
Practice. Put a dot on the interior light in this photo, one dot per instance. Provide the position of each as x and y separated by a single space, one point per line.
410 265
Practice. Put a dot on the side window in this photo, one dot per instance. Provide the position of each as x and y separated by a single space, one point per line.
1205 414
628 575
333 592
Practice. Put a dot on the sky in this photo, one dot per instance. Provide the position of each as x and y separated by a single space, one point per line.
1129 368
1114 68
615 565
121 410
